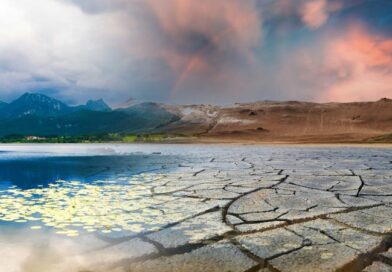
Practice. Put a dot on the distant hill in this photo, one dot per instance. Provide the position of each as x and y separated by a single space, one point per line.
264 121
154 114
96 105
3 104
34 104
40 115
291 121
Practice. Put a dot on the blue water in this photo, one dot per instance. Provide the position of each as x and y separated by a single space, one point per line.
50 176
32 166
28 173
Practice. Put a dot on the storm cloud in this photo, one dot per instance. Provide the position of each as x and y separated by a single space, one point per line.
196 51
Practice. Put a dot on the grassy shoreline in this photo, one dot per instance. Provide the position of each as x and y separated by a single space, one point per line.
185 139
102 138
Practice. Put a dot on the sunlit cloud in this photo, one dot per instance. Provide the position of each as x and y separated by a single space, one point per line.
315 13
363 64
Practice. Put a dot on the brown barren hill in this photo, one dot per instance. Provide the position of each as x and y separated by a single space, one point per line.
292 121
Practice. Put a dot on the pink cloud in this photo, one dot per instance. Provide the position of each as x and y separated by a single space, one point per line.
315 13
363 65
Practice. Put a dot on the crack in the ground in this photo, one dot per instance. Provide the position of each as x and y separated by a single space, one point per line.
234 184
230 235
360 187
365 259
116 241
198 172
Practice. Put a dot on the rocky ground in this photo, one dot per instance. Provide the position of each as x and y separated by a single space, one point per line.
277 210
287 122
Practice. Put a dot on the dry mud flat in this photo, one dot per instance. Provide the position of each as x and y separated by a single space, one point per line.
282 210
253 209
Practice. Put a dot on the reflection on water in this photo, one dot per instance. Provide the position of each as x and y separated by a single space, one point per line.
27 173
25 250
82 193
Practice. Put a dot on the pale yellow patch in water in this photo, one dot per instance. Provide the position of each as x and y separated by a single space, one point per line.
73 206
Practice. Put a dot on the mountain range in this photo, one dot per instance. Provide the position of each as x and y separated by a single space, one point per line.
39 115
266 121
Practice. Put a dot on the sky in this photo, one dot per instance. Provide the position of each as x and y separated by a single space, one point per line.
197 51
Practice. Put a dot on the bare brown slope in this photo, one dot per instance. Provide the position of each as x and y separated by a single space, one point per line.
286 121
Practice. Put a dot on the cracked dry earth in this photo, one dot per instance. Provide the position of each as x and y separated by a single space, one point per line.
277 210
261 209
